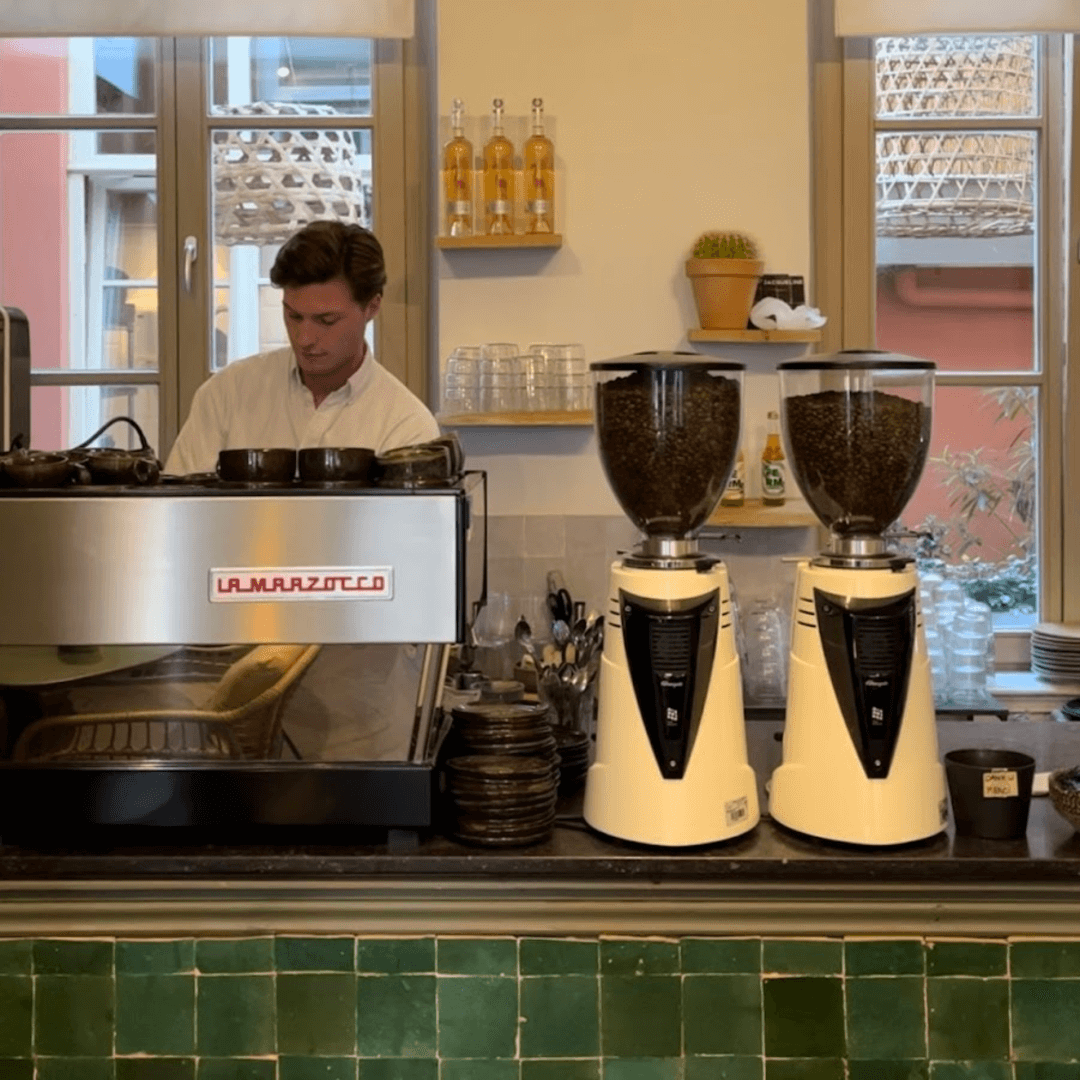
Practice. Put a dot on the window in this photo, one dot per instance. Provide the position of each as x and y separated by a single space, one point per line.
946 238
146 185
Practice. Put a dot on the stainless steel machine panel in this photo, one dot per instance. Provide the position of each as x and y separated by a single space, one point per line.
222 568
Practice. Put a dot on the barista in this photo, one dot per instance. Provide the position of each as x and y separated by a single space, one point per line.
326 388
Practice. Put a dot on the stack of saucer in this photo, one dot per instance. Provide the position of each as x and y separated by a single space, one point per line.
501 800
520 729
1055 651
573 747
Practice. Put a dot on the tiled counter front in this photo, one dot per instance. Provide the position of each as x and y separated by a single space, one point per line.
506 1008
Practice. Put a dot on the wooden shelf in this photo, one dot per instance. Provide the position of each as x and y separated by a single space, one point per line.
562 418
531 240
753 515
751 336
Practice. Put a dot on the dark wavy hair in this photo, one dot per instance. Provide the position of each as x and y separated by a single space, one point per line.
325 250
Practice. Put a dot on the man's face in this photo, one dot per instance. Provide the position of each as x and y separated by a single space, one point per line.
326 326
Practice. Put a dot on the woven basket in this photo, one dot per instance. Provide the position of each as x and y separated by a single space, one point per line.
1065 794
955 183
268 184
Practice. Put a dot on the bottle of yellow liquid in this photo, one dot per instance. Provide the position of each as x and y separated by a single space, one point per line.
458 175
773 466
735 492
539 169
498 177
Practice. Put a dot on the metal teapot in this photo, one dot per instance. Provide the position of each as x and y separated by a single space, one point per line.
113 465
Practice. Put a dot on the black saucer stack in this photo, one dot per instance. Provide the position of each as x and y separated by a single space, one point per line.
573 749
502 773
501 800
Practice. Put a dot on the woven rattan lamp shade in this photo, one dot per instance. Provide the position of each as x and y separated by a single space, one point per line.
955 183
269 183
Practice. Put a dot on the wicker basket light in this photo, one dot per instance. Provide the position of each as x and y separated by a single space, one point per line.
269 183
955 183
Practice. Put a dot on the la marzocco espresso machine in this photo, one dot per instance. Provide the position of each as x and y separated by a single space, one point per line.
860 760
671 765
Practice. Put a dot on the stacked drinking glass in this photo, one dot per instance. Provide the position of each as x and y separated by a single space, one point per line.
959 639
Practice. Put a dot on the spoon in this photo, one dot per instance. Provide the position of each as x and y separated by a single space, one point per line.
560 631
523 636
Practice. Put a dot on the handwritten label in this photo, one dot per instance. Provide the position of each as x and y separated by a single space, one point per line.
230 585
736 811
1000 784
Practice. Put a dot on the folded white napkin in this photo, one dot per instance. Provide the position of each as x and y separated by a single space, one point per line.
771 313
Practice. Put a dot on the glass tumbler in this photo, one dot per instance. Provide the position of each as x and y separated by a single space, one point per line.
461 380
500 377
570 378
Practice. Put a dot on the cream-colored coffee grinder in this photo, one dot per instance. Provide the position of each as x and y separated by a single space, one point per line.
860 759
671 765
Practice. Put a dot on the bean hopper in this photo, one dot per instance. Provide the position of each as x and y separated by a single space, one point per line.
860 757
671 765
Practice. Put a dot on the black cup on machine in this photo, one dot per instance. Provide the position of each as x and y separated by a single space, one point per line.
336 464
250 466
990 791
114 464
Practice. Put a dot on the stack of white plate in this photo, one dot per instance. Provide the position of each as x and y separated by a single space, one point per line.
1055 651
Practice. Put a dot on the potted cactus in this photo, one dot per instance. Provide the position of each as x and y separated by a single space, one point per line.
724 269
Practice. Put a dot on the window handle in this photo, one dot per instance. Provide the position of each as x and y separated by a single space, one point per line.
191 253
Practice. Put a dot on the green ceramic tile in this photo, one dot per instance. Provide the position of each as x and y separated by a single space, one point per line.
73 1015
969 1019
155 1068
722 1014
155 1014
725 1068
971 1070
155 957
1044 959
807 1069
235 1015
227 955
316 1068
640 1015
477 1017
639 957
886 1018
554 956
476 956
804 1018
560 1070
16 1015
75 1068
236 1069
395 955
314 953
560 1016
56 957
1045 1016
395 1015
399 1069
642 1069
903 956
1036 1070
16 1069
16 957
479 1070
785 957
982 958
316 1014
721 956
888 1070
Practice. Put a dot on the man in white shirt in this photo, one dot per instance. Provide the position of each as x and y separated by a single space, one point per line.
327 389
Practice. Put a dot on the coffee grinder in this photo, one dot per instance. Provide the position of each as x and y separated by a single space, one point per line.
860 757
671 765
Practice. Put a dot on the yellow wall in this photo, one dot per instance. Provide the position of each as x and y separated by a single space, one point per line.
670 117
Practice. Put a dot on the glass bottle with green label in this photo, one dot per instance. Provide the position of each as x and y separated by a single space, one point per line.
773 466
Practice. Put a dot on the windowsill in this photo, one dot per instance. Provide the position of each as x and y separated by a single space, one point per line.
1024 691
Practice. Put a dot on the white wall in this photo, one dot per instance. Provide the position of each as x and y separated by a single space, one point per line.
670 117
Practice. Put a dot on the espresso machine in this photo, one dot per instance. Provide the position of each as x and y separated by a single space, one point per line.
671 766
860 755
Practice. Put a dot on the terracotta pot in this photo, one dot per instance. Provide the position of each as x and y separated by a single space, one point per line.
724 290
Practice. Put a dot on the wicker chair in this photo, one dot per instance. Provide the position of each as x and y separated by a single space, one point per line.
241 719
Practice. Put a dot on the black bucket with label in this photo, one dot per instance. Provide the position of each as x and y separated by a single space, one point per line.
990 791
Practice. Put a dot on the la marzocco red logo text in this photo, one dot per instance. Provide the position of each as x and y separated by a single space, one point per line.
240 584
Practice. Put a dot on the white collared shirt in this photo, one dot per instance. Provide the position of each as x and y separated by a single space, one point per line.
261 401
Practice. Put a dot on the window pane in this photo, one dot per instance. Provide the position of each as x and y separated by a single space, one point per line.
977 495
268 184
78 248
956 76
77 76
313 75
63 416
